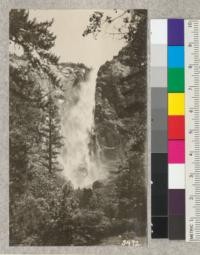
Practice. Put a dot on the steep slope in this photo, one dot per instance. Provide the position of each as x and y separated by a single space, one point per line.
121 98
120 127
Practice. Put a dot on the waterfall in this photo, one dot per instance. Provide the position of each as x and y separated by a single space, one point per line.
80 165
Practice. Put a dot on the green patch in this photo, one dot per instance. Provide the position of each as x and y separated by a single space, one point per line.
175 79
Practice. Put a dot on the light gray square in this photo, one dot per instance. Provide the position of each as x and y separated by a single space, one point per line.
158 77
158 55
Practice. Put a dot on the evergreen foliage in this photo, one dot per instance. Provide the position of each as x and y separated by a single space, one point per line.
45 209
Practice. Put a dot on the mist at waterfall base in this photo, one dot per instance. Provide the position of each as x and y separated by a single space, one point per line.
80 164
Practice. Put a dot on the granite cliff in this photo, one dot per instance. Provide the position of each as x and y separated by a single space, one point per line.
120 111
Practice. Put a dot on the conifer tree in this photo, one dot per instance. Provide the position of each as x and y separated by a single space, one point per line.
51 134
36 41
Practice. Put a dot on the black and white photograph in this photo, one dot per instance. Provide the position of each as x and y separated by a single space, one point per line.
77 127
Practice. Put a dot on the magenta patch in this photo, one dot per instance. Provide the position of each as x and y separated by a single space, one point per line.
176 151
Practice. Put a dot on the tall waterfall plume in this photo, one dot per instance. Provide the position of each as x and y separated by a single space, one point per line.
80 165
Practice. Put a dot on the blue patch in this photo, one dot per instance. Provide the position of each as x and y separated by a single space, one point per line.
176 56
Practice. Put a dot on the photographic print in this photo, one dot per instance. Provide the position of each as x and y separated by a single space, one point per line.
77 127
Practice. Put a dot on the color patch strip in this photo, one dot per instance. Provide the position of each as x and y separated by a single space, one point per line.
159 158
176 129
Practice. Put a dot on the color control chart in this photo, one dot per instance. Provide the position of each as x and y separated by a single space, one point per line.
175 128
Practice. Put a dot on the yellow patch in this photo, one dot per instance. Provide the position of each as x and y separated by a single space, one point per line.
176 103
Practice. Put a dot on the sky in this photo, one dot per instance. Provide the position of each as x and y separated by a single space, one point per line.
70 45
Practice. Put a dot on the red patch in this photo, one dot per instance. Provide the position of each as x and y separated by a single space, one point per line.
176 128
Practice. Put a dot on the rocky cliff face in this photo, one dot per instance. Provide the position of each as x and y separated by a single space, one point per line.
120 111
34 85
69 74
